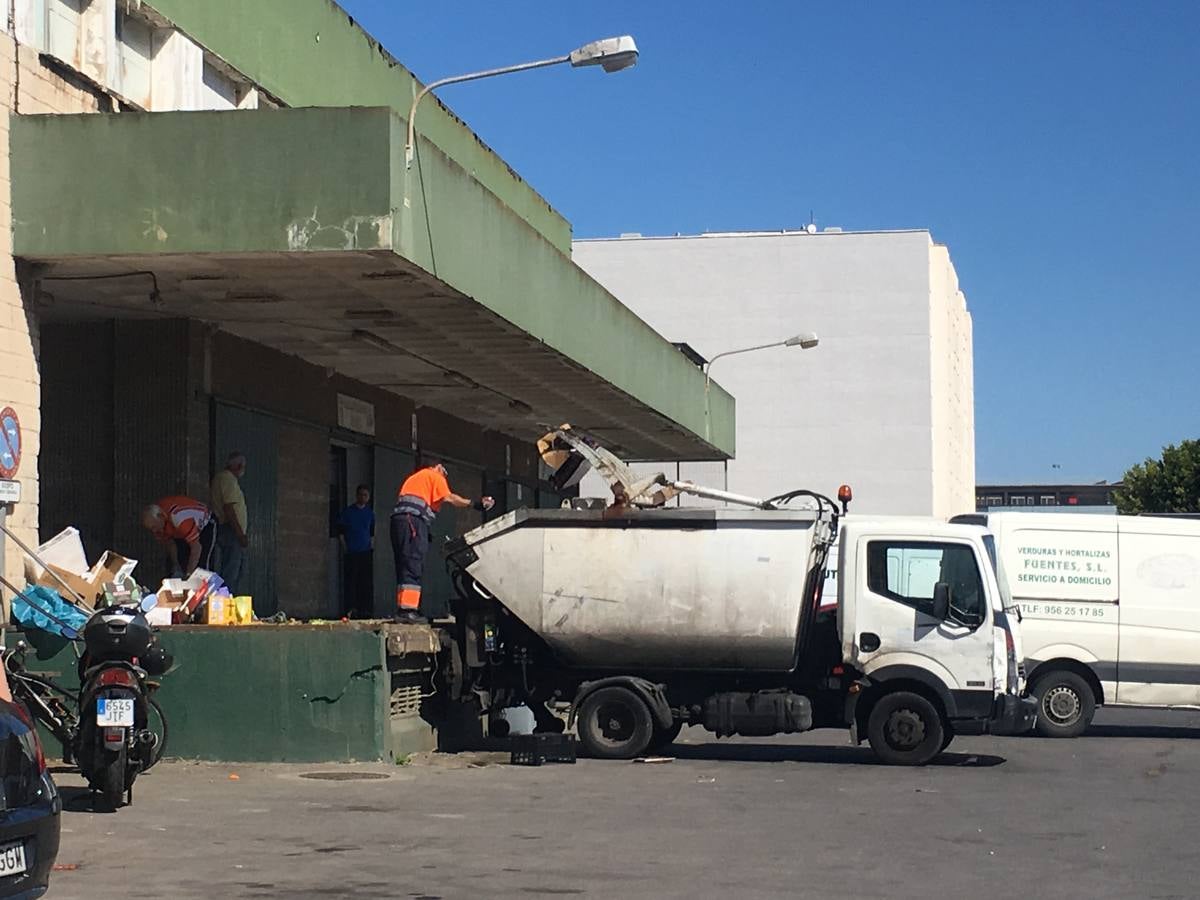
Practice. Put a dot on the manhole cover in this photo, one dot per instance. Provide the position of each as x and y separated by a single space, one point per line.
345 776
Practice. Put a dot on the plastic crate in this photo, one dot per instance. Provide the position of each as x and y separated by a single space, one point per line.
536 749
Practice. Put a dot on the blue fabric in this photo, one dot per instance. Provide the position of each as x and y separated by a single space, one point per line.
358 526
31 606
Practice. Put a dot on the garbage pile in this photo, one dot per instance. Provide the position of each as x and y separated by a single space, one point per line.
60 565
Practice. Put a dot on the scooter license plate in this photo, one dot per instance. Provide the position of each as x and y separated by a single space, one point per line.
12 859
115 713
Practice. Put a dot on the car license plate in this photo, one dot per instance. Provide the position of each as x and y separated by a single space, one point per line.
12 859
114 713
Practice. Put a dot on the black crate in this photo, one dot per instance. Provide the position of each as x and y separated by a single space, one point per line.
535 749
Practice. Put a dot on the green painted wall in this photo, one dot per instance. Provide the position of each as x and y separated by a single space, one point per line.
295 693
311 53
202 182
323 179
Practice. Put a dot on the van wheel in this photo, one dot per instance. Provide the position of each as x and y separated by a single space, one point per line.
1066 704
905 729
615 723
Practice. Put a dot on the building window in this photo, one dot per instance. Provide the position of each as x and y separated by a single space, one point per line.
30 19
1049 500
135 55
1016 500
62 29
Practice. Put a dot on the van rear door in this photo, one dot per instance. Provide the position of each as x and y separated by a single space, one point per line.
1160 611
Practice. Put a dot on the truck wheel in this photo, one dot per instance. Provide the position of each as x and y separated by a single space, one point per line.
905 729
1066 704
614 723
665 737
948 739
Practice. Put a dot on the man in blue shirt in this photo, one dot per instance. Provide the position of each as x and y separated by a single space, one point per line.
356 527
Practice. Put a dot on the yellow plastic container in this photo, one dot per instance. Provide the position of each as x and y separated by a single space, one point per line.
243 610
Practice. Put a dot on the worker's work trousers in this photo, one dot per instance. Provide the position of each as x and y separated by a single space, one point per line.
410 544
231 558
360 584
208 540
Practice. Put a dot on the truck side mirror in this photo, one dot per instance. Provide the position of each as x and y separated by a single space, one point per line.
941 601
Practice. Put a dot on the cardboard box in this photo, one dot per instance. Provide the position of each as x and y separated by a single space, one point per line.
159 616
64 550
77 583
110 568
218 610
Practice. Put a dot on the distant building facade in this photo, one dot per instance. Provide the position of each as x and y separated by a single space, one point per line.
885 403
996 496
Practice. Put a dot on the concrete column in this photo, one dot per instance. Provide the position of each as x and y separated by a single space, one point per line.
26 86
177 73
98 42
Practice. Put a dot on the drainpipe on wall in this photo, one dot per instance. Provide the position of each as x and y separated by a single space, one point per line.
12 29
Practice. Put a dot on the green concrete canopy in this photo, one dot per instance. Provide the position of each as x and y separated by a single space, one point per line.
302 230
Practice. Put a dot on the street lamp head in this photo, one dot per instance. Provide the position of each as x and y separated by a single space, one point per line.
611 54
805 341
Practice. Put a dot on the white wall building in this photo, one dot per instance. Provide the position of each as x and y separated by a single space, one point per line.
885 403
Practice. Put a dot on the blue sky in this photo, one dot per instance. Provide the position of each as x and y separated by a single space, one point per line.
1055 148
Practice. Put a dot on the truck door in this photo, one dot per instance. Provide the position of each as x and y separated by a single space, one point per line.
897 623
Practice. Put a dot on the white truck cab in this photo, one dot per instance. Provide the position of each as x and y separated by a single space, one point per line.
926 602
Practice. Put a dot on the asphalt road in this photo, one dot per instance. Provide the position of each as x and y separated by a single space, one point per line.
1112 814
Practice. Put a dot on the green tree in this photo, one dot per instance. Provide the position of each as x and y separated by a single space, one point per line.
1167 485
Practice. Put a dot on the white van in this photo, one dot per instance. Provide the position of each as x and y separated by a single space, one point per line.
1111 610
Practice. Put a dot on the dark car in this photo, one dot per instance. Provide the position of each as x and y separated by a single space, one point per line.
30 808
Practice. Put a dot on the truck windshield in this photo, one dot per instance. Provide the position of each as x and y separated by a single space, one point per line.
1006 597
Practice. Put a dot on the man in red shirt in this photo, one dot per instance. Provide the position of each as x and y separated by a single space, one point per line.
421 497
186 528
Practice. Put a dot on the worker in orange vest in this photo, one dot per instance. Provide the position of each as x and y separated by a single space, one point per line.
421 497
188 531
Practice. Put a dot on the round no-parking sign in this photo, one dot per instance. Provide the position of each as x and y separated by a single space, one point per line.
10 442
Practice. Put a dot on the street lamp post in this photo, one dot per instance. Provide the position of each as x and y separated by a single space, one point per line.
805 341
611 54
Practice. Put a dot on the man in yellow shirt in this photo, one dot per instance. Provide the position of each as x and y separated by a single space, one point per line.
229 506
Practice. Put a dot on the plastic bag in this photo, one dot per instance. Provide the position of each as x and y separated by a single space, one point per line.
44 609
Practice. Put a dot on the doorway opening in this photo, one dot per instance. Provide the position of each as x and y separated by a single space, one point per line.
351 562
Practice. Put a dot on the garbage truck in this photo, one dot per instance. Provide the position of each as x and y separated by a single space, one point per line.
636 618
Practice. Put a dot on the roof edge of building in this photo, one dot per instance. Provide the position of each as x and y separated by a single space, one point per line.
791 232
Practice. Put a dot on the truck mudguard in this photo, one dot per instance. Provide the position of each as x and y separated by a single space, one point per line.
654 696
921 676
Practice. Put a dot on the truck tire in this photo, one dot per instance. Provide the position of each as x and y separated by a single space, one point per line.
665 737
905 729
948 738
615 723
1066 704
